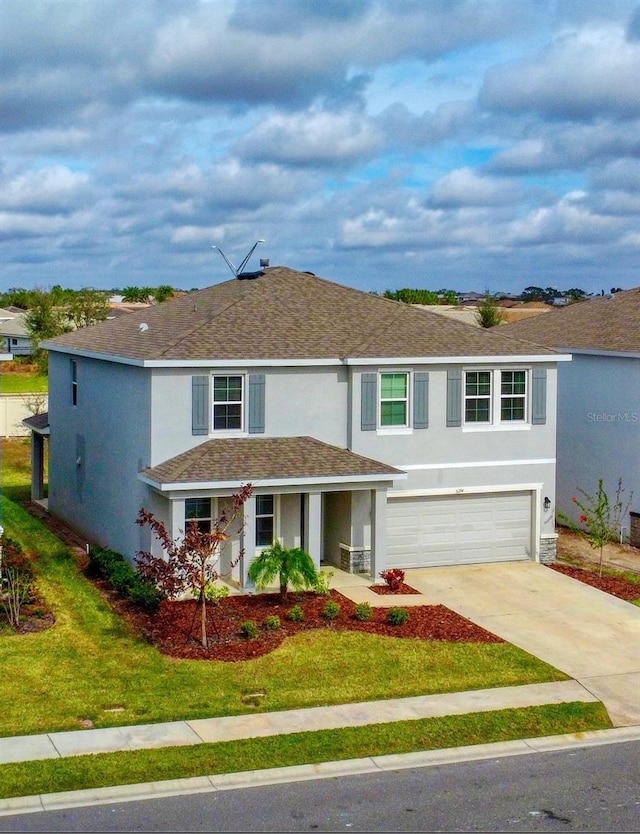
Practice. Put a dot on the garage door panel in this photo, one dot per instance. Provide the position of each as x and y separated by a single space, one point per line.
459 530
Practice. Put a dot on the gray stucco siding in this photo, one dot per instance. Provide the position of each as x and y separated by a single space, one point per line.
598 428
298 402
97 448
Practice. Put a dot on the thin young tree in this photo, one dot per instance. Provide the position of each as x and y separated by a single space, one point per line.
191 561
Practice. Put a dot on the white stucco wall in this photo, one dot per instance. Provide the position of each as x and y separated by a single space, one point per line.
598 428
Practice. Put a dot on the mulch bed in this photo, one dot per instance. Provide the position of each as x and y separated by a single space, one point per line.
169 631
385 589
618 587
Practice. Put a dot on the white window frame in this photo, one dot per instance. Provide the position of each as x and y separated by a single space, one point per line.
495 422
478 397
275 515
241 402
407 425
524 397
208 518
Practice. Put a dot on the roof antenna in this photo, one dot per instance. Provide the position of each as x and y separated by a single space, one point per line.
237 270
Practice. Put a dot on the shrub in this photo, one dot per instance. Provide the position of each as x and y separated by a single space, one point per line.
13 556
16 594
364 612
249 629
394 577
331 610
272 623
397 616
147 596
322 582
124 578
296 614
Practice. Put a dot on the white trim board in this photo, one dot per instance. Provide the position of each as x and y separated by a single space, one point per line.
478 464
476 490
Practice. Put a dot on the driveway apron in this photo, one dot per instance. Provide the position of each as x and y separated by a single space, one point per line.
590 635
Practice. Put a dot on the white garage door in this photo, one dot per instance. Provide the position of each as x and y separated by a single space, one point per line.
446 530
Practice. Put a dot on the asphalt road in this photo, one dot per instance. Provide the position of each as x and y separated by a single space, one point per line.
588 789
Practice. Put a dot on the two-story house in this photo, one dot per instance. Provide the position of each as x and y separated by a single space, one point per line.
375 434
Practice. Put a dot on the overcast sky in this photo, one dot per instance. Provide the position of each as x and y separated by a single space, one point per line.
470 144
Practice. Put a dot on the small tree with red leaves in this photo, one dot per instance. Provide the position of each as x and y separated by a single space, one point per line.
191 561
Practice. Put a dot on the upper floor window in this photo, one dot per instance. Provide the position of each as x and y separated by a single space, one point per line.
513 395
198 510
495 397
394 399
227 403
74 382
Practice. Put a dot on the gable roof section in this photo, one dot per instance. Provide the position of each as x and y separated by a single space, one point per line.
283 315
604 323
233 461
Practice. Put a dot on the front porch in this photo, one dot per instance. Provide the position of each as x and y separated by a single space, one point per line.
326 500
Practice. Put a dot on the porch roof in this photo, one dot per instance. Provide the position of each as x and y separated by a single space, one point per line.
229 462
39 423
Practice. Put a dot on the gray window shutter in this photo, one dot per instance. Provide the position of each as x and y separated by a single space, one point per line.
454 397
200 405
539 396
255 422
421 400
369 402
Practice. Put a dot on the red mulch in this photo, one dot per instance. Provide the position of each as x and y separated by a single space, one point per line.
385 589
169 631
621 588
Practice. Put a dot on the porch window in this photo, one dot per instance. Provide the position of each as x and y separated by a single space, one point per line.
227 403
477 397
198 510
513 395
394 400
265 516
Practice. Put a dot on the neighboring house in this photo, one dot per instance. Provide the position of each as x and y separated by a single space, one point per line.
14 333
599 394
375 434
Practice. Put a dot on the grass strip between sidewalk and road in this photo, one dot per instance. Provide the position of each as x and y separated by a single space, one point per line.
109 769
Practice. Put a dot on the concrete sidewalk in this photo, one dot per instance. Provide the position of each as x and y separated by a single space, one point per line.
230 728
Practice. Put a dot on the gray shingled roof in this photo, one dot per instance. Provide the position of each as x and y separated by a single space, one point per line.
250 460
38 422
284 314
609 323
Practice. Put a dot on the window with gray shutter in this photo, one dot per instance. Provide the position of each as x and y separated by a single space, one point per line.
199 405
539 396
369 402
255 423
421 400
454 397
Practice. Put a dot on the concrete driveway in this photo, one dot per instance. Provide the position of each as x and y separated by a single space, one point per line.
590 635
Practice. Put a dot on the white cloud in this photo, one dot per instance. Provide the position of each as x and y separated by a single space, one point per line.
465 187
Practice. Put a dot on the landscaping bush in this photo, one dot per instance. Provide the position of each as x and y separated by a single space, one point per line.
322 582
296 614
13 556
249 629
272 623
124 578
397 616
364 612
331 610
394 577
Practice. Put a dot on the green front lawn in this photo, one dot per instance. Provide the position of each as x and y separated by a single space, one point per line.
23 384
88 666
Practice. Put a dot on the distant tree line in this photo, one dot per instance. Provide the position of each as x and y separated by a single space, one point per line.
428 297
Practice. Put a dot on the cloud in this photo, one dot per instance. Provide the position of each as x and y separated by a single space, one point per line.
312 138
582 75
47 191
465 187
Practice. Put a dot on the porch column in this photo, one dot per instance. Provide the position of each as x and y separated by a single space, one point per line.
37 466
248 541
314 527
378 532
